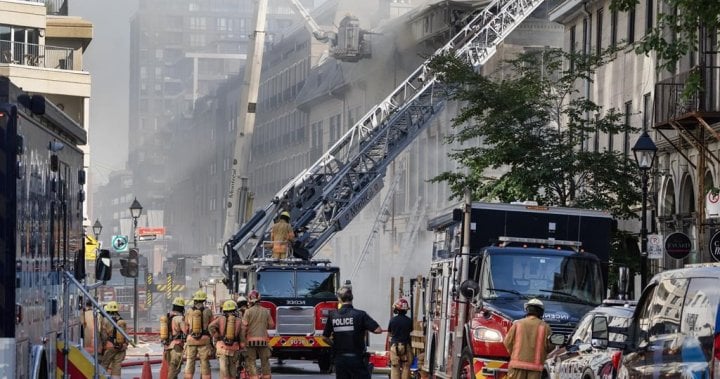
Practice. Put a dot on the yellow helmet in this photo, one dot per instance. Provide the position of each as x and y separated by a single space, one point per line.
112 307
200 296
229 306
179 301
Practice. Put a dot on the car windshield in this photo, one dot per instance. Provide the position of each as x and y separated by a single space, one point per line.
562 278
291 284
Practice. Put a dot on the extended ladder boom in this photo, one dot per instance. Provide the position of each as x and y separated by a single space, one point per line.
324 198
318 33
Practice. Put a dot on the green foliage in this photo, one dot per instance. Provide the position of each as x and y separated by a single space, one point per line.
676 31
529 126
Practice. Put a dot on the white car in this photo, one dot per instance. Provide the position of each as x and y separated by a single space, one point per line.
578 359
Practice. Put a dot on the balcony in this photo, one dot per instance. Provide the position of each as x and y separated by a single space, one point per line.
29 54
54 7
676 105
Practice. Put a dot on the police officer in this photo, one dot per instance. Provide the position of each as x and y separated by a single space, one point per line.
399 329
347 327
114 344
198 342
175 342
528 343
227 332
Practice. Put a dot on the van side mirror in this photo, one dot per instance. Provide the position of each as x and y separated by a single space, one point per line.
600 335
557 339
103 266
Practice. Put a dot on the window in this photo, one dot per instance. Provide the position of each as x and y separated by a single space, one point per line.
631 25
649 5
665 309
598 32
611 142
642 324
572 47
700 309
596 140
626 141
586 35
613 27
646 112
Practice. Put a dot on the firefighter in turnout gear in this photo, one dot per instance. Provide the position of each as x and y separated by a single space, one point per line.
113 343
173 337
528 343
256 322
399 329
282 236
227 332
347 327
198 344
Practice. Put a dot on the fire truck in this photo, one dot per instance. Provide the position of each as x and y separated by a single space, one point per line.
324 198
516 252
41 239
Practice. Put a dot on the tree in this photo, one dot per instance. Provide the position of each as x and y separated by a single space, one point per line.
530 125
676 33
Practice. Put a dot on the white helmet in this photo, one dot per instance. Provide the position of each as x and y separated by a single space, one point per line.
534 302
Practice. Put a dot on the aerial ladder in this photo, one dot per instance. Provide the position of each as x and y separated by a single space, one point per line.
324 198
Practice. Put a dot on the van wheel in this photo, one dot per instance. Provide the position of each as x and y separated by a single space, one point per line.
465 366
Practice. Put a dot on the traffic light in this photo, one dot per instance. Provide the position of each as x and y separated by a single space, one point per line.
129 267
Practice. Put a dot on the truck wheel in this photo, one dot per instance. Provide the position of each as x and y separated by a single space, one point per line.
465 366
325 364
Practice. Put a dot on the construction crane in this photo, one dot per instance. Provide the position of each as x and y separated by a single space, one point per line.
348 44
324 198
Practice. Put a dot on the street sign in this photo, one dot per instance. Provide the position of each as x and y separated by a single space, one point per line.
120 244
678 245
712 205
654 246
714 246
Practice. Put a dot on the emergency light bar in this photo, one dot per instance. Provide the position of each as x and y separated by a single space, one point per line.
505 241
700 265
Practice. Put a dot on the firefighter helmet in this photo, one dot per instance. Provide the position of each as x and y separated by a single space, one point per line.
179 301
241 301
200 296
112 307
253 296
229 306
534 303
401 305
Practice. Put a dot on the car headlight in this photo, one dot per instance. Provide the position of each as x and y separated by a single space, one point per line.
487 334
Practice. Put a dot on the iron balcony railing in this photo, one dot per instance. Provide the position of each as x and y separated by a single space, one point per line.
54 7
30 54
674 98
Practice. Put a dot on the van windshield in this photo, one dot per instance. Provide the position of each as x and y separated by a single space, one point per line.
556 277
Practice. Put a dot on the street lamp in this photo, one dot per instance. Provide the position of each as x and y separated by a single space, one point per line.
97 229
644 152
135 212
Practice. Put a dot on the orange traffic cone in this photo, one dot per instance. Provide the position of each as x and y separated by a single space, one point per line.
164 368
146 371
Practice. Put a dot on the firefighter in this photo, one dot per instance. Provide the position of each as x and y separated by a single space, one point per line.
399 329
114 344
172 334
198 344
242 305
282 236
528 343
227 332
347 327
256 322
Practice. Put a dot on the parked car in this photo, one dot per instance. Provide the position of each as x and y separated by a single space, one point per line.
674 331
577 358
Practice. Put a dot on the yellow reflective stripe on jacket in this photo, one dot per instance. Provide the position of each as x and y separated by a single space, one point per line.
536 364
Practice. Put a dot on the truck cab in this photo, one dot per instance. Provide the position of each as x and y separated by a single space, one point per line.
299 294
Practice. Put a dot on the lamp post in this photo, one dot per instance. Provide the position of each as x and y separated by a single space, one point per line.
135 212
97 229
644 152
